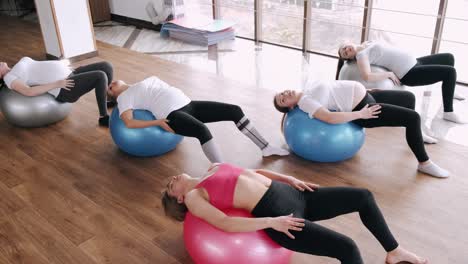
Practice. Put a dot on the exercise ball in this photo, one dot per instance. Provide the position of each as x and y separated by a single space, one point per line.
316 140
207 244
31 111
143 142
350 71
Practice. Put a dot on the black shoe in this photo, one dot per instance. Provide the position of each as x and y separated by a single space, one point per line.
111 103
104 121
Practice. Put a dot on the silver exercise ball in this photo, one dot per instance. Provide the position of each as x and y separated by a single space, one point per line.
350 71
31 111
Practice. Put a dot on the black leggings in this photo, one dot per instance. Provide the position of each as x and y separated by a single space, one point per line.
95 76
432 69
189 120
324 203
397 111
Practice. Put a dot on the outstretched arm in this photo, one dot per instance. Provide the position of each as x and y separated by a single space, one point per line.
296 183
327 116
201 208
26 90
369 76
127 118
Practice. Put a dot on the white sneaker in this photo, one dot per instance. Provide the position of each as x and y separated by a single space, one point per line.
429 140
452 117
458 96
433 170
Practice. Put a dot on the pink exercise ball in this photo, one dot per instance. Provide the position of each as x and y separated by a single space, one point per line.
207 244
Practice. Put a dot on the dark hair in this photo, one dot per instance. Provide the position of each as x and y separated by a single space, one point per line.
341 62
282 109
173 208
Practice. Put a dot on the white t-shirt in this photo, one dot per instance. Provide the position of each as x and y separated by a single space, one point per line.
153 95
332 95
386 56
34 73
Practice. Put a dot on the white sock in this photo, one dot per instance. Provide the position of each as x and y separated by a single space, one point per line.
458 96
429 140
212 152
432 169
272 150
451 116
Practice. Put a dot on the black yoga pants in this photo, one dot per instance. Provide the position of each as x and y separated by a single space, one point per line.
397 111
435 68
95 76
189 120
324 203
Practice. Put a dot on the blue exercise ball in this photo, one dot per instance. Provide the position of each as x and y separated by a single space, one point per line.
316 140
142 142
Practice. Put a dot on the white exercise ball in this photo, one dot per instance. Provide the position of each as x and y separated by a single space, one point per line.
31 111
350 71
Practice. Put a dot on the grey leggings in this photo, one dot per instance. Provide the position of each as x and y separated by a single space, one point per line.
95 76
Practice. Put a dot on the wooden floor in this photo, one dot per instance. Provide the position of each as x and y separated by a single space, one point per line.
68 195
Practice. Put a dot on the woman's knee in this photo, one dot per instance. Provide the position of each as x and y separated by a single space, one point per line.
452 74
365 196
348 251
450 59
412 118
236 112
410 99
202 133
101 79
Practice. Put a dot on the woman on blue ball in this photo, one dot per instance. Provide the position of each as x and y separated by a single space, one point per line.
351 102
176 113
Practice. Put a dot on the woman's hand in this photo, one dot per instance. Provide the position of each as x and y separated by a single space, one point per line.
66 84
286 223
163 123
370 112
302 185
394 78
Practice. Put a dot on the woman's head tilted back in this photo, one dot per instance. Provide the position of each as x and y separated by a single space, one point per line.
285 100
173 197
346 51
116 88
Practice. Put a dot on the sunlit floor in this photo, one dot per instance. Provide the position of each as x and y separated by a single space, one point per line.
273 68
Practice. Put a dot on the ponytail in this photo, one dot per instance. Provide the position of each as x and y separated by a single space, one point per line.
338 68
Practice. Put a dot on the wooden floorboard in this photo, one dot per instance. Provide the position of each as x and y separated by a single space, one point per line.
70 196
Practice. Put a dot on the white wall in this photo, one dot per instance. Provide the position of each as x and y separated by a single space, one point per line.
72 20
130 8
49 34
75 27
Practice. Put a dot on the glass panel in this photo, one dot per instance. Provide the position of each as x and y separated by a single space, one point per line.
332 23
283 21
198 7
454 37
241 12
411 32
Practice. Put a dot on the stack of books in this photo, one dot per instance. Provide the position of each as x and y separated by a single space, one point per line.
199 30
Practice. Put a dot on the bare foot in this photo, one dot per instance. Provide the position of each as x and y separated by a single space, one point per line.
402 255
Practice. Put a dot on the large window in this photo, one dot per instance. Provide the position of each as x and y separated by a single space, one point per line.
332 22
241 12
198 7
282 21
455 37
417 26
409 25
